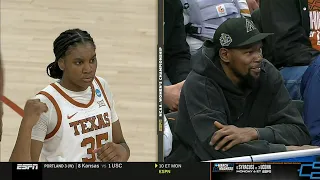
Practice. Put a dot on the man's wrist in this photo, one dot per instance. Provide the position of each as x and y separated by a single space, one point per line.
254 134
291 148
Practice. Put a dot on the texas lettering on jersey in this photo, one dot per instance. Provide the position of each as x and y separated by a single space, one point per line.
90 124
103 121
314 8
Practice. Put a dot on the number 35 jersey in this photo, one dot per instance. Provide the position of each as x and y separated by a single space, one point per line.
76 122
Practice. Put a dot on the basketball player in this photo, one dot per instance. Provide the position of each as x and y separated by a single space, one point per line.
73 119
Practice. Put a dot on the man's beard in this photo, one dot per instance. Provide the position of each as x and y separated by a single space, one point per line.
247 81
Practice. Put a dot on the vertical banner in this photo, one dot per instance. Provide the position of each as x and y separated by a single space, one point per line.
160 81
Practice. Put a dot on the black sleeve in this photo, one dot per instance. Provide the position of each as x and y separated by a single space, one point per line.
210 100
290 44
176 49
285 124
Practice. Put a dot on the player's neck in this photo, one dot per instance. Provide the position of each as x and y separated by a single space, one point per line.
70 86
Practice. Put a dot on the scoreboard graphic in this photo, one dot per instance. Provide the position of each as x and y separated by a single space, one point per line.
199 171
243 168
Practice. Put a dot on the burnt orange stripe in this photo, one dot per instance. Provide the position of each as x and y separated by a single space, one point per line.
12 105
73 101
59 115
104 94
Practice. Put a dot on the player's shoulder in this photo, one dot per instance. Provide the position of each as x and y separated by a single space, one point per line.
49 88
43 99
43 94
104 82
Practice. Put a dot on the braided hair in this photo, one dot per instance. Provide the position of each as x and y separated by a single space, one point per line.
61 44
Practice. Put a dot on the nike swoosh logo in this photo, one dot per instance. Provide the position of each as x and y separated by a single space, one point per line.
69 117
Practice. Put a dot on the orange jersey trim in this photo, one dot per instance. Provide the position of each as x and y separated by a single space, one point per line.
104 94
59 114
72 101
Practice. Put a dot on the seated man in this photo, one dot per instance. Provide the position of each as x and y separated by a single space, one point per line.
310 88
294 44
219 12
310 84
234 103
176 57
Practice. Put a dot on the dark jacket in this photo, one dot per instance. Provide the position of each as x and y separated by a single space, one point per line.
289 21
176 48
208 95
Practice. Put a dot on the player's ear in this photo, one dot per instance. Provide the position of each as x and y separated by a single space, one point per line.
61 64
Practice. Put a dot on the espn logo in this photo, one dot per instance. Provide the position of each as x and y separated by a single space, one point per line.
27 166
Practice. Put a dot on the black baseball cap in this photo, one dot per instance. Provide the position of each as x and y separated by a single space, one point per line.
237 32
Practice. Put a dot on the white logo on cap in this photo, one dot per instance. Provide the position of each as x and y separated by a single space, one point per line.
225 39
250 26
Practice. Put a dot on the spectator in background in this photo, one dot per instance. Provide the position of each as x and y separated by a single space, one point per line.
253 5
234 103
294 49
192 16
176 53
310 85
289 49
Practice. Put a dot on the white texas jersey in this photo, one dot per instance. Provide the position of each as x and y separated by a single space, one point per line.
80 128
